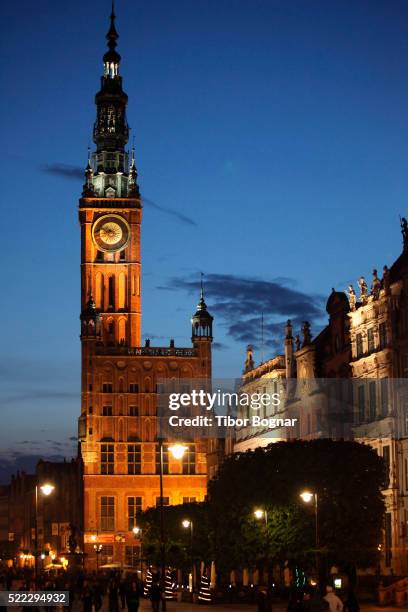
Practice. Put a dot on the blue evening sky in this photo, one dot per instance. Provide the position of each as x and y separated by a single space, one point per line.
278 127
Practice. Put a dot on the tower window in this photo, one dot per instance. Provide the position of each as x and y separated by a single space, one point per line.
111 291
134 508
134 411
107 411
122 255
189 460
373 399
165 460
132 556
359 345
134 454
107 518
166 501
189 500
370 340
107 458
107 388
133 388
99 256
383 335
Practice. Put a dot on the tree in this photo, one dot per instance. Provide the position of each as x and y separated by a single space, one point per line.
347 477
179 548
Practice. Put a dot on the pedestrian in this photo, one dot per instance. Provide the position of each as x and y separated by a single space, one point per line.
155 594
97 597
335 603
86 597
351 604
132 596
113 592
122 593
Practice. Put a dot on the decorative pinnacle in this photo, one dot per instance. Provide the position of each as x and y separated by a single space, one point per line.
112 56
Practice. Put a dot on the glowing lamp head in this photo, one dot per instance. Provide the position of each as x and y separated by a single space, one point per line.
177 450
47 489
307 496
136 530
258 514
186 523
93 538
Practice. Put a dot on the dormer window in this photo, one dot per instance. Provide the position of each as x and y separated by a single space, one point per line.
110 192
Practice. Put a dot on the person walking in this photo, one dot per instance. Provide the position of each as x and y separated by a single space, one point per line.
123 586
86 597
335 603
155 594
113 592
132 596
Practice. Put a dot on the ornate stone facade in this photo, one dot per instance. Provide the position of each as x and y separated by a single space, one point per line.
347 382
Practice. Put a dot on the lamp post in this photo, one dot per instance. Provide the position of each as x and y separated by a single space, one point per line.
308 497
187 523
260 514
177 450
46 489
137 532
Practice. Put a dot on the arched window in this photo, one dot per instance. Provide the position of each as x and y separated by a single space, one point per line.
122 291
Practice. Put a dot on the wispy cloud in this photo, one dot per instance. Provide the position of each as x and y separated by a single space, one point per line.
238 302
169 211
70 172
64 170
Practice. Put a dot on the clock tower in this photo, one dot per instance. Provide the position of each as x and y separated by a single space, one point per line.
118 423
110 214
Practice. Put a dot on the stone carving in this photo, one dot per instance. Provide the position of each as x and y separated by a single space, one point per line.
352 297
376 285
386 280
307 336
363 289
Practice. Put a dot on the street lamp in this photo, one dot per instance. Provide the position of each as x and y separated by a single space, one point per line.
308 497
46 489
259 514
177 450
188 524
98 550
136 531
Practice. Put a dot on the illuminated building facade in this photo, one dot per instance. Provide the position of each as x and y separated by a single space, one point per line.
347 382
118 422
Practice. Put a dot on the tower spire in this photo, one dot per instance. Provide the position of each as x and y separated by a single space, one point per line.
112 56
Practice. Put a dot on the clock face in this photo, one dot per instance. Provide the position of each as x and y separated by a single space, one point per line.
110 233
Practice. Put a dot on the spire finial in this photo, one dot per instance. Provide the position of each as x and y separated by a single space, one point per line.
112 57
201 286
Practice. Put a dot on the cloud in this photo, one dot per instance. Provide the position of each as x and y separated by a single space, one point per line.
169 211
219 346
37 394
66 171
23 463
238 302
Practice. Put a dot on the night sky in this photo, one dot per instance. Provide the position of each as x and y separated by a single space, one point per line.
272 148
